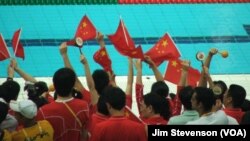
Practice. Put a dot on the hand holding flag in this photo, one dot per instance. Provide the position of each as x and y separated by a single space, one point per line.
85 31
173 72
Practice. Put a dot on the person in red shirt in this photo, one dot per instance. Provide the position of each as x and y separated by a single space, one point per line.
67 115
117 127
232 100
154 110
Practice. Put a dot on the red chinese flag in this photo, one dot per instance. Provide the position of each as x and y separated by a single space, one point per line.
86 30
193 76
101 57
173 73
124 44
130 115
17 45
164 49
4 53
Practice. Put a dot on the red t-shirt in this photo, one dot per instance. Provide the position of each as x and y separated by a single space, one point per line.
94 120
62 120
86 96
236 113
119 129
155 121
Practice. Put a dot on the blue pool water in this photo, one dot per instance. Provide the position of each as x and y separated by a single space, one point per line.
194 27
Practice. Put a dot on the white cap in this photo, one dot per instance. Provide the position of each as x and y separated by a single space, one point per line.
26 107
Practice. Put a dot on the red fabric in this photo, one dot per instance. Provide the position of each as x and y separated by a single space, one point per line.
101 57
85 30
64 123
4 53
138 95
130 115
17 45
155 121
124 43
177 105
164 49
86 96
119 129
236 113
94 120
173 73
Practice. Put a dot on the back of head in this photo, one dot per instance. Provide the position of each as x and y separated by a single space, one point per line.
115 96
160 88
238 94
41 87
101 106
159 104
10 90
3 110
206 97
185 95
64 81
101 80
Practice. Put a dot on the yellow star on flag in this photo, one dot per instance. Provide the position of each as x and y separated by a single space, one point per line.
164 43
134 52
84 24
103 53
174 63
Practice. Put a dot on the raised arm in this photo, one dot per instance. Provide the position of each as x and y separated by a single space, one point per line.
138 67
203 79
67 64
157 73
100 39
139 84
90 81
130 77
23 74
184 72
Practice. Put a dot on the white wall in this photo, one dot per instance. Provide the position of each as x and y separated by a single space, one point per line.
243 80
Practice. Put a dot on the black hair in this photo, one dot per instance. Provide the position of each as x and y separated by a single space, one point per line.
10 90
246 118
64 81
160 88
159 104
4 111
246 105
101 106
206 97
238 94
185 96
115 96
101 80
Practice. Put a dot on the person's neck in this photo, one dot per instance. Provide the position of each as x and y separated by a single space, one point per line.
61 99
117 113
29 123
205 113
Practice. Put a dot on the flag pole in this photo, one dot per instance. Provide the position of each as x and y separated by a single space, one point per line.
124 30
80 50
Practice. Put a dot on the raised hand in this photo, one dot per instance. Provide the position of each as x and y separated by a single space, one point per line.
63 48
